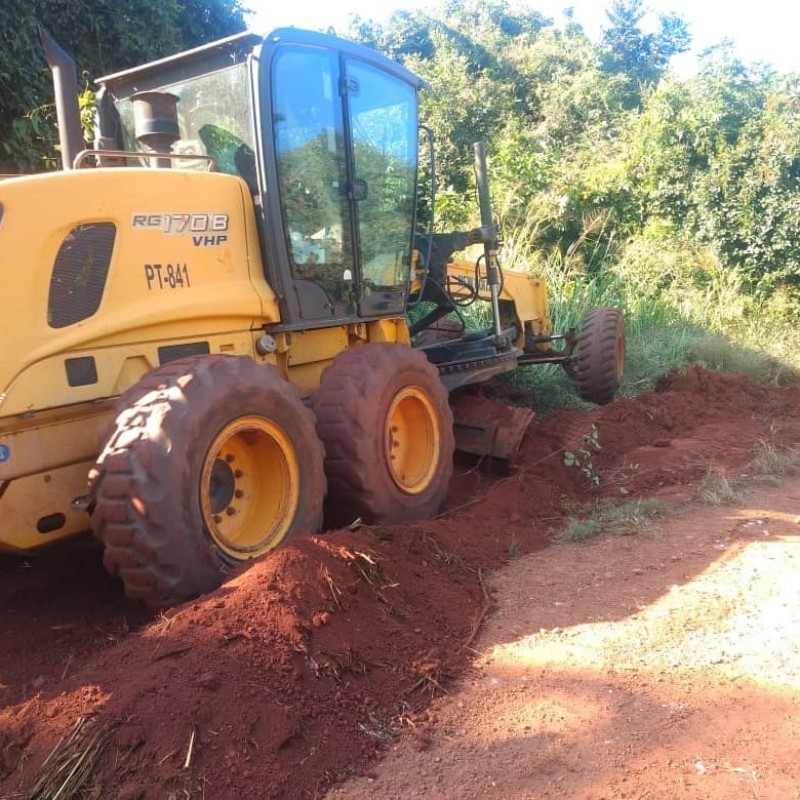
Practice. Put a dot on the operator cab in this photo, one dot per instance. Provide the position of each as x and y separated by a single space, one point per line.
324 134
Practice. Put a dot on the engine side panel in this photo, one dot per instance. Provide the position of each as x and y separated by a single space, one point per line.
119 259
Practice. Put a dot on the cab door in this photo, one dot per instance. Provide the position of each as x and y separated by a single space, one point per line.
382 122
339 148
312 179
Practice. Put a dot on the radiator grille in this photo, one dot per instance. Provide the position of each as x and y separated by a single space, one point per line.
79 273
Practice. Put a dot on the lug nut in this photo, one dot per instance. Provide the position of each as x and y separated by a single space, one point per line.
238 494
217 518
230 511
229 457
237 473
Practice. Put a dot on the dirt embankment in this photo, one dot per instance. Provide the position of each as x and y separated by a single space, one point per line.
297 673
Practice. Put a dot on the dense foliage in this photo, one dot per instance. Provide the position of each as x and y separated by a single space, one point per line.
595 146
104 36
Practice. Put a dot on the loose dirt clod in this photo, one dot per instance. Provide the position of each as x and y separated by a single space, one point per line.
388 626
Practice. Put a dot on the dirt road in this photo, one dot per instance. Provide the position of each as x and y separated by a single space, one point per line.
659 665
664 665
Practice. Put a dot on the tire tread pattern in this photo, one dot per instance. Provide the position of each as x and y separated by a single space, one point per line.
137 480
596 370
351 405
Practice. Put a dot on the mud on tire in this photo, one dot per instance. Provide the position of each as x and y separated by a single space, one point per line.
384 419
598 367
213 460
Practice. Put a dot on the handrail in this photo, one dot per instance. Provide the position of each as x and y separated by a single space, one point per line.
84 155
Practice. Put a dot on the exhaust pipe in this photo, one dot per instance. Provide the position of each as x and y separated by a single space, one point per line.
65 83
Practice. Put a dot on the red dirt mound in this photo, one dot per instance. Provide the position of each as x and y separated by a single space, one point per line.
299 670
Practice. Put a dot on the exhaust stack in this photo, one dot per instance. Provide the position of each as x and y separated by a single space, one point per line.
65 83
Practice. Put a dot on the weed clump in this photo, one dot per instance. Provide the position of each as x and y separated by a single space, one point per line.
717 489
611 516
773 463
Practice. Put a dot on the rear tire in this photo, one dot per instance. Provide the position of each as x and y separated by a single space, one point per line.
600 361
384 419
214 460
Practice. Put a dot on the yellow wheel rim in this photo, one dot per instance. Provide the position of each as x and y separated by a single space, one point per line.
249 487
412 440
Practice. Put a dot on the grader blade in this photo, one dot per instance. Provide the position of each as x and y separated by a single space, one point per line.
489 428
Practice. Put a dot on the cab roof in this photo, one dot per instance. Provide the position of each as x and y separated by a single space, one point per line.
236 49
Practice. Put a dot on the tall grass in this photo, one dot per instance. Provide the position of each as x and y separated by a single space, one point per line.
682 306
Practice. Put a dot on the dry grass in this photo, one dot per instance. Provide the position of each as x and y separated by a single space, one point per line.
443 556
773 462
717 489
65 773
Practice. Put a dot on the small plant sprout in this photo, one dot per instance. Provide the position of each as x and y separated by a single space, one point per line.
582 457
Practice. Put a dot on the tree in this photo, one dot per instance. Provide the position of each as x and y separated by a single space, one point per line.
641 58
717 158
404 34
471 53
103 36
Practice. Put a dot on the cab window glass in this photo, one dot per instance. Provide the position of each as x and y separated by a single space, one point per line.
384 128
214 119
309 144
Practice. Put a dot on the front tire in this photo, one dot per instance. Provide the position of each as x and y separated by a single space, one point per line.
214 460
600 362
384 419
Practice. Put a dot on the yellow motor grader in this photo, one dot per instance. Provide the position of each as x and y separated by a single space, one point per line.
207 346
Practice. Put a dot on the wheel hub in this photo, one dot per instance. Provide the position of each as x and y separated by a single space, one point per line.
412 440
221 486
249 487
